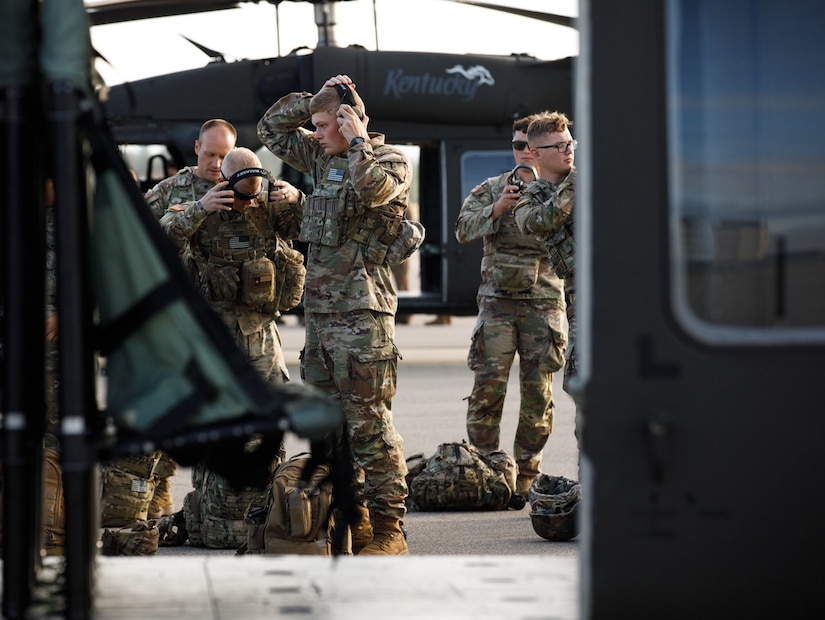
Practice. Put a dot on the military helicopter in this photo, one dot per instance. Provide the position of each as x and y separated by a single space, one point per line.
455 111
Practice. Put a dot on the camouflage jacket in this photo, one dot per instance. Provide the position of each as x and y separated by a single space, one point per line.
185 186
344 270
185 222
546 209
514 265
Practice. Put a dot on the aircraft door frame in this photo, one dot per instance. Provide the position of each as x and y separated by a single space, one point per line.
701 463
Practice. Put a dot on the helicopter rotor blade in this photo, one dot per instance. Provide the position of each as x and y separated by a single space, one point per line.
561 20
116 11
215 56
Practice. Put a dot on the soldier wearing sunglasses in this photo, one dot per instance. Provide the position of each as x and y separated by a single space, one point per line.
521 311
546 208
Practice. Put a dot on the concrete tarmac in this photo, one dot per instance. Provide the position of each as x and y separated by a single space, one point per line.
429 409
462 565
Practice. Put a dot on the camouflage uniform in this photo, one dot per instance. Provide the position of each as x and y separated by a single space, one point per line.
185 186
222 244
350 300
521 310
546 209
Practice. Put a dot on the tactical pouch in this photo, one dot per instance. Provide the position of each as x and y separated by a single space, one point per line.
322 221
220 282
300 512
409 239
291 275
257 281
561 248
515 274
376 231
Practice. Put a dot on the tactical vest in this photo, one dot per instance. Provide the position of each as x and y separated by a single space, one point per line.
333 214
186 186
516 258
239 245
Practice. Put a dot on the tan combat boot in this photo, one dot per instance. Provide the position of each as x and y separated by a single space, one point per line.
361 531
523 484
161 504
388 538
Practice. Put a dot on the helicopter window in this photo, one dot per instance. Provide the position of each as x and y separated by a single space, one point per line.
479 165
746 129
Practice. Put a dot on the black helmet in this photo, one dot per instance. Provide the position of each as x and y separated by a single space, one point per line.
554 503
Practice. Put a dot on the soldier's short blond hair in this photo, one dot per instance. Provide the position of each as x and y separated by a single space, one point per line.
328 100
547 122
238 159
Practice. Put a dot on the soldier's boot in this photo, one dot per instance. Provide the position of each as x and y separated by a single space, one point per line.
519 498
388 538
162 504
523 483
361 531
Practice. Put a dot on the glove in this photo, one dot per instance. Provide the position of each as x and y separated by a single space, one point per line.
223 281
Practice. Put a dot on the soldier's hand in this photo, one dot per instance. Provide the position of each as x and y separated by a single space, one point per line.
509 197
219 198
283 192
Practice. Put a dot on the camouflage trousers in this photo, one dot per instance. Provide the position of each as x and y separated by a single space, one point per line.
351 357
257 336
536 330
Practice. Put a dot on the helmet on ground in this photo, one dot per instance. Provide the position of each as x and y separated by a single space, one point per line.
554 503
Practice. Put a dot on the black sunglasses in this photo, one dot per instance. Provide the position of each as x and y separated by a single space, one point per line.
519 145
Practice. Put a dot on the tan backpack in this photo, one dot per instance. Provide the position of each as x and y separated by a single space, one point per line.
127 485
296 517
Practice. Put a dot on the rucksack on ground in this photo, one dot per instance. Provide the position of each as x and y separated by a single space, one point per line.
127 485
214 512
54 505
139 538
459 477
295 516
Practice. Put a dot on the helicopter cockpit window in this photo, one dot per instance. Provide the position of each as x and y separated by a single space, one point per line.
479 165
746 139
151 163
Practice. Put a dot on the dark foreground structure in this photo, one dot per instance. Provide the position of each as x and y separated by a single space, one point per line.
701 295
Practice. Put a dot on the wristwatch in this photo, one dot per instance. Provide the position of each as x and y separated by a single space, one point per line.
356 140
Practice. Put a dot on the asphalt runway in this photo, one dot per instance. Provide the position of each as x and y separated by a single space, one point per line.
429 409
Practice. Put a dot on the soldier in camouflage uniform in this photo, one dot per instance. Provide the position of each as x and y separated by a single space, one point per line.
546 209
361 191
216 138
521 310
235 233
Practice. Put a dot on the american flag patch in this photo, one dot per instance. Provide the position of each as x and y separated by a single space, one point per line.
239 243
336 175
